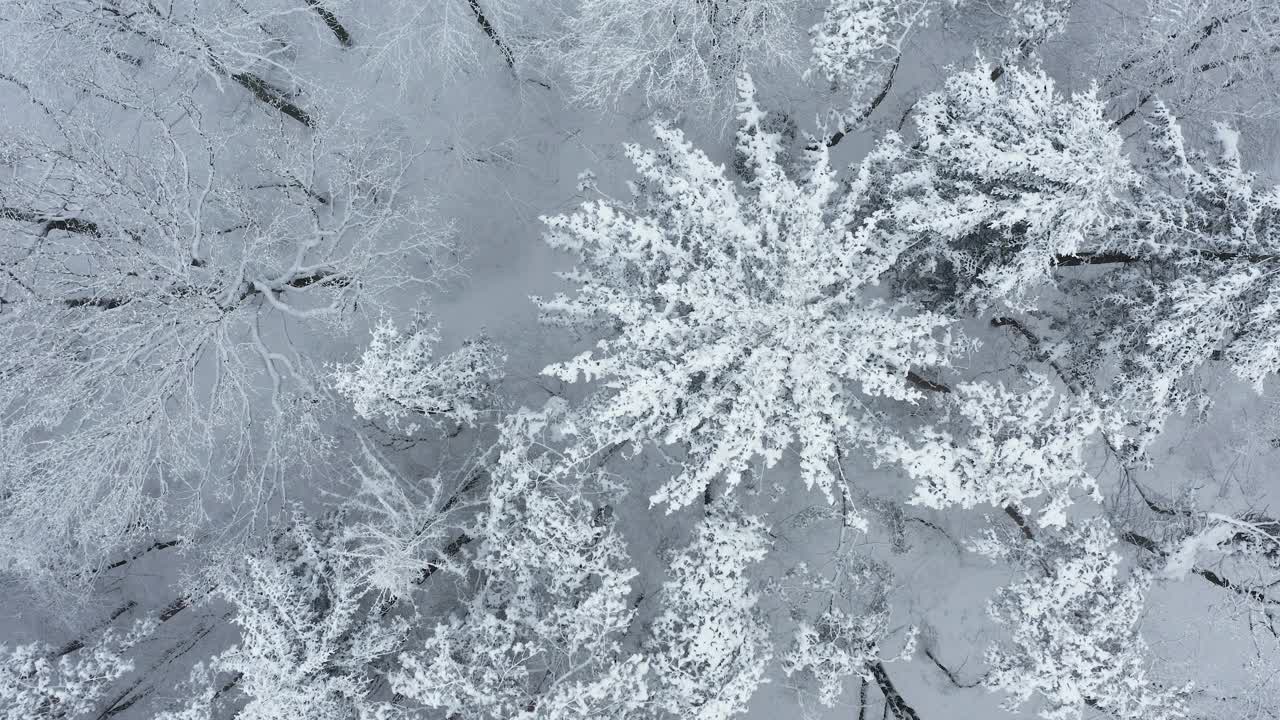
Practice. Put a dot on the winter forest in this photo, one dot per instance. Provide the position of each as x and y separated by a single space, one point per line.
639 359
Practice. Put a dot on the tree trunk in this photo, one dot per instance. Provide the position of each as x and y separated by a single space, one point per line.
491 33
331 20
271 96
892 699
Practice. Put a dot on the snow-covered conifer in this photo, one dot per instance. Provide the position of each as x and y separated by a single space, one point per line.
1217 236
742 317
1010 186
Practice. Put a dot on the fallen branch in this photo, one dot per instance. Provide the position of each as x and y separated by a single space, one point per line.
128 698
155 546
182 602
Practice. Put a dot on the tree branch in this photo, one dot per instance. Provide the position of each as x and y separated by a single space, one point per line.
1154 548
1114 258
321 276
1021 522
847 127
1090 258
928 652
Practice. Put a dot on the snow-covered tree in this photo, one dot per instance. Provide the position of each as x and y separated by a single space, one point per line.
709 646
1209 60
1074 639
860 44
742 316
404 42
1011 186
858 47
39 681
400 532
200 198
160 289
842 615
677 54
132 52
398 378
1031 22
1011 446
1006 178
540 634
309 633
155 299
